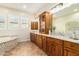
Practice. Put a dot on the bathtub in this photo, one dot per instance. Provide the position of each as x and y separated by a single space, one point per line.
7 43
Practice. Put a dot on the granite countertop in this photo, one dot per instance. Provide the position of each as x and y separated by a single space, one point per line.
59 37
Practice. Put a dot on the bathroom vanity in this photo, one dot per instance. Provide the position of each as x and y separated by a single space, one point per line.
54 45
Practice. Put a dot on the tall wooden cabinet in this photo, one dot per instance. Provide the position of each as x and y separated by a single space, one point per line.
45 24
34 25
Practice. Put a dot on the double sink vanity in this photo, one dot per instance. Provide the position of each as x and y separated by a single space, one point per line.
54 45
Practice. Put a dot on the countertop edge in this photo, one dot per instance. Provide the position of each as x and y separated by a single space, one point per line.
58 37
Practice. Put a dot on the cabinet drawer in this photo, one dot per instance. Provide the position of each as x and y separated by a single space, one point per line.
71 45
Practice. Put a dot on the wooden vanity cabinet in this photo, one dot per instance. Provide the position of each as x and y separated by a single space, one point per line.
54 46
51 46
71 49
50 43
58 47
70 52
35 38
32 36
39 41
57 50
44 39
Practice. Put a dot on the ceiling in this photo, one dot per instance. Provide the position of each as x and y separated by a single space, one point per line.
67 10
30 7
34 8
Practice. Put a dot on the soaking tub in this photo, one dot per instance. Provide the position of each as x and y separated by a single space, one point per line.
7 43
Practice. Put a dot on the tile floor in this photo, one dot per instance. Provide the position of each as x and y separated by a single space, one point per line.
26 49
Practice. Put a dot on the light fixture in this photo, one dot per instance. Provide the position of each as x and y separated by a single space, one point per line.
75 10
24 6
60 6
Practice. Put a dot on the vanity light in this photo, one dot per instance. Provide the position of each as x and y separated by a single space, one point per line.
75 10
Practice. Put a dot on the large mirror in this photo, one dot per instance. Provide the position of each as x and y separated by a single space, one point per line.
67 19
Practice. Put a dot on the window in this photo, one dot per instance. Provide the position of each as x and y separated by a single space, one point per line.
13 22
24 22
2 22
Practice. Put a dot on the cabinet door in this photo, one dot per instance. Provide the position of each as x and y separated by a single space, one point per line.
34 25
58 50
50 43
70 52
52 51
32 37
44 43
39 41
37 36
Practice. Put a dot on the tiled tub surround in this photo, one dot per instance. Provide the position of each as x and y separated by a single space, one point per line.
7 43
